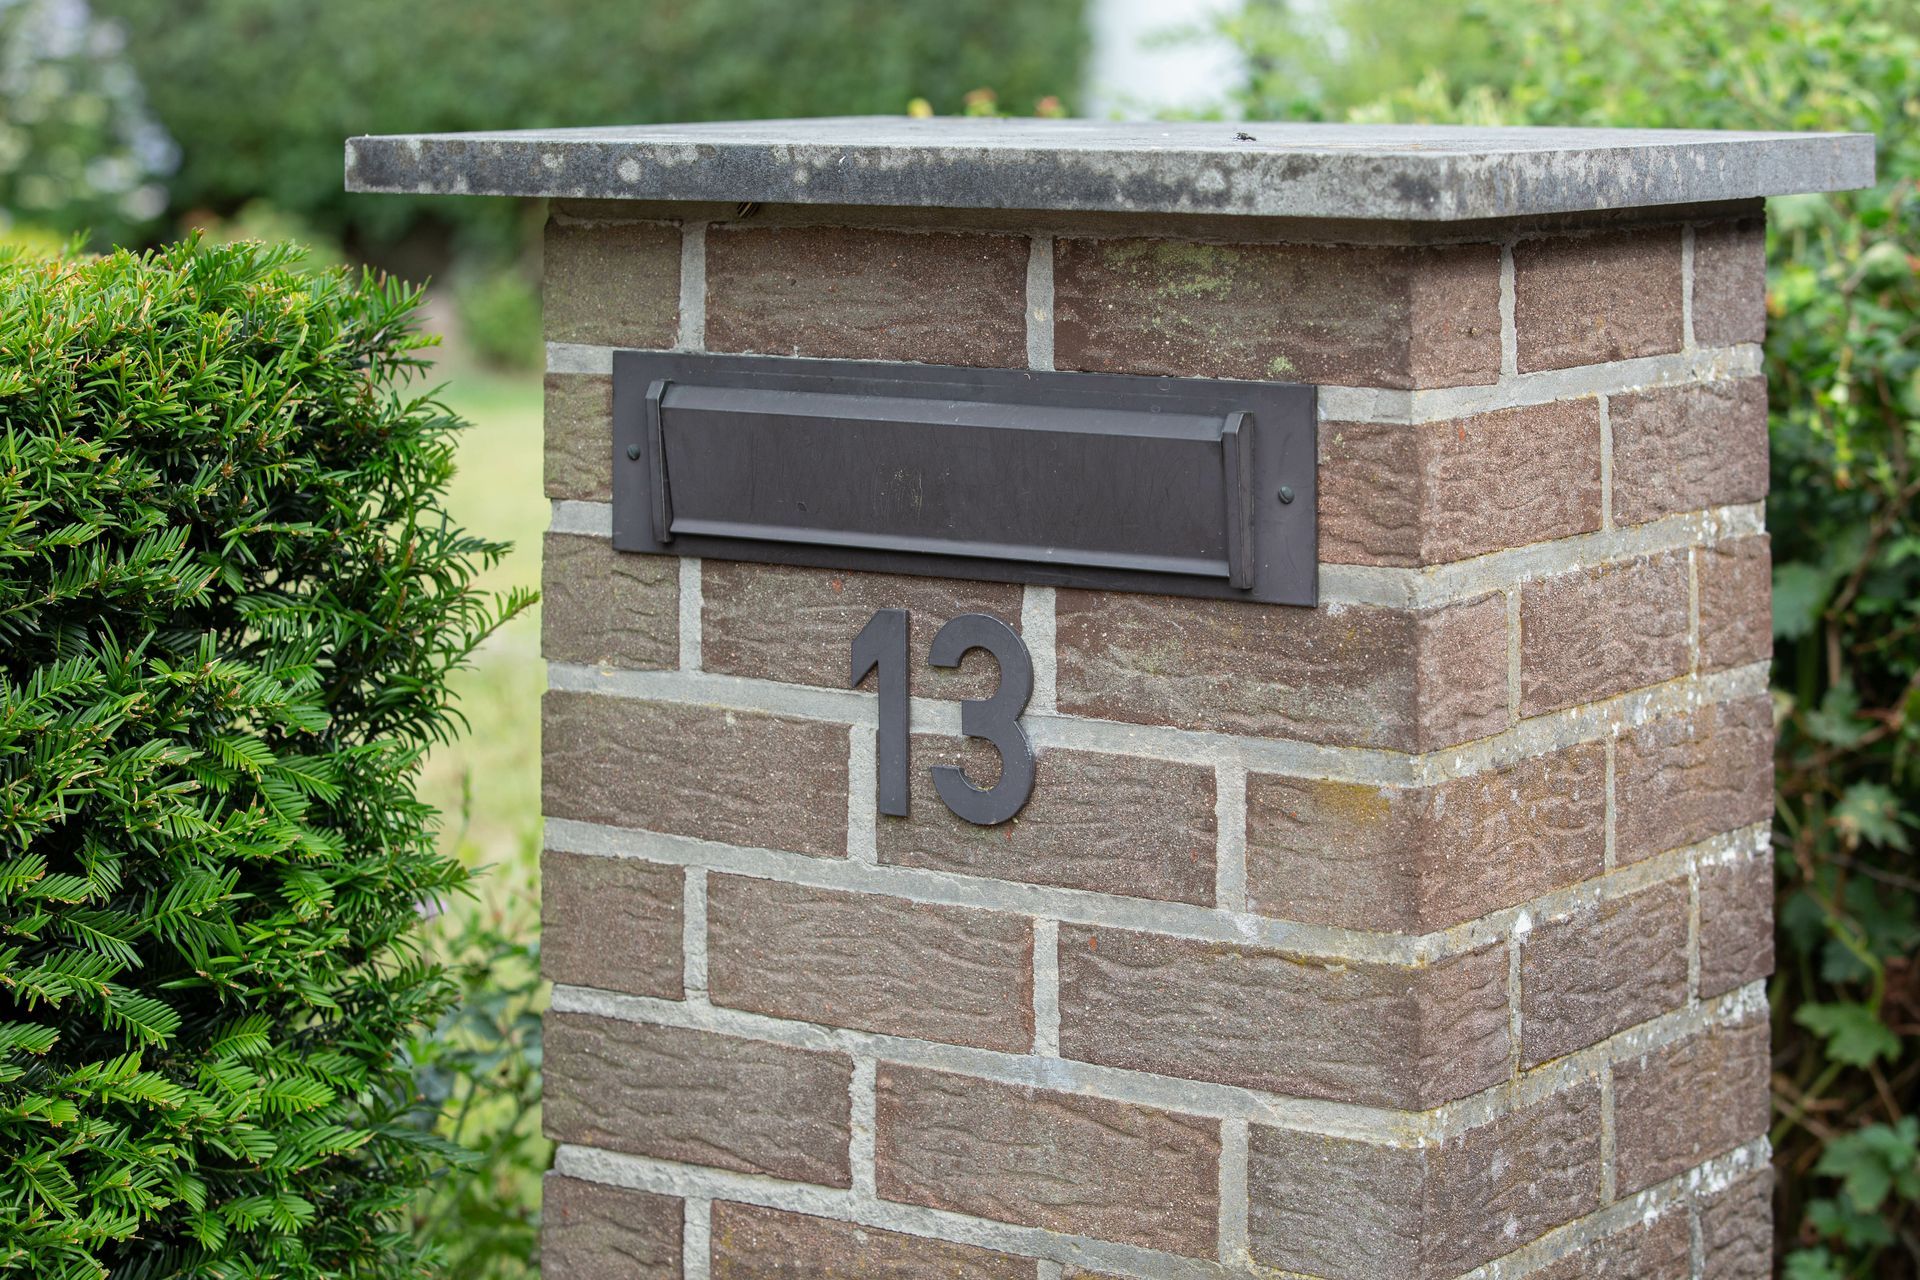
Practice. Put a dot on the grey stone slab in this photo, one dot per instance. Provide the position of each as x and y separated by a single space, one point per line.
1393 172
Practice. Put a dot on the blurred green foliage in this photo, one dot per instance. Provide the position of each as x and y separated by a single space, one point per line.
78 148
1844 363
261 94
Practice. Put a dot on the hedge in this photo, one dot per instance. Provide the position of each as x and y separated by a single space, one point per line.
229 603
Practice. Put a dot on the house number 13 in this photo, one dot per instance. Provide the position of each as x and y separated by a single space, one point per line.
882 646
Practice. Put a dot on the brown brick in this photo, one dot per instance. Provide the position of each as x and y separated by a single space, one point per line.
1348 1210
1592 633
1736 923
1369 316
1677 1107
1661 1249
589 1231
1595 298
1730 282
1097 821
1736 603
698 1098
734 776
612 284
751 1243
612 923
1690 447
608 608
1736 1230
1059 1161
776 622
1375 1034
935 297
871 962
1681 779
1420 859
1601 969
1440 491
1353 676
579 437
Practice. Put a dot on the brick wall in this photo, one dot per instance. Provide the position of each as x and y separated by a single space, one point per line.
1421 934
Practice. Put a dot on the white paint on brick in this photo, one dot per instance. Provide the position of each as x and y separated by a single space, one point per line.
587 519
1509 310
1233 1192
863 794
1686 287
1040 303
1438 404
693 286
1537 736
692 607
578 357
1379 1125
863 1098
663 1177
1037 630
1046 987
1230 839
696 1238
693 910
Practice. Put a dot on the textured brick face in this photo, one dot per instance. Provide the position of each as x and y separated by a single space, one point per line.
593 1232
613 923
1681 779
698 1098
1346 315
1420 859
1678 1106
1355 676
935 297
604 607
1736 603
1736 923
1601 970
776 622
1377 1034
740 777
1736 1230
579 437
1592 299
1101 822
1439 491
1686 448
1060 1161
1594 633
1353 1211
751 1243
1730 282
613 284
871 962
1658 1250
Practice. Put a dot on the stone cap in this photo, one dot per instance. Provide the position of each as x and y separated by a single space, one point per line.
1389 172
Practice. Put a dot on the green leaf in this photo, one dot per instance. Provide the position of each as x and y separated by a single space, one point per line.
1853 1034
1799 594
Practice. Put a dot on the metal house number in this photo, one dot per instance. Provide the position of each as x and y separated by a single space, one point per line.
881 647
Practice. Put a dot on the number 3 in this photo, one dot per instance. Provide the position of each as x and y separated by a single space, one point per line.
882 644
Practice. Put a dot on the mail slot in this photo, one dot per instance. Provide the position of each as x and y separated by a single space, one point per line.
1178 486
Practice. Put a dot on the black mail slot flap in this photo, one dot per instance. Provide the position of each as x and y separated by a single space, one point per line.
1190 487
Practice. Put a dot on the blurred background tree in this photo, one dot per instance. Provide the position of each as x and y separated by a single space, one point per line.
1843 361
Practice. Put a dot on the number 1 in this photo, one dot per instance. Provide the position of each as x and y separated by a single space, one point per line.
882 645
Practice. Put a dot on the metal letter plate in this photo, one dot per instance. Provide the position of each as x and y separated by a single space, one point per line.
1180 486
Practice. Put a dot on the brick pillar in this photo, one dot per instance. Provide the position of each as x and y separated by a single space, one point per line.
1420 934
